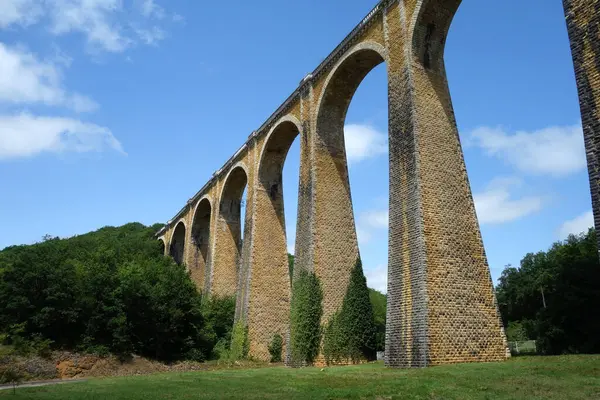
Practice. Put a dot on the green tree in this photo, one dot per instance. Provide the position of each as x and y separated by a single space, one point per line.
353 330
553 293
379 304
305 318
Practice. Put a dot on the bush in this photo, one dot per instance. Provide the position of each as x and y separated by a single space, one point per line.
516 332
239 342
275 348
12 375
218 314
305 319
351 334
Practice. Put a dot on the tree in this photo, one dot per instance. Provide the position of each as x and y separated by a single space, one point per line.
306 311
552 294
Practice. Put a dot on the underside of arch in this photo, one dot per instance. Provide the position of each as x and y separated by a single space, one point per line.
430 30
228 247
162 245
200 241
177 249
334 229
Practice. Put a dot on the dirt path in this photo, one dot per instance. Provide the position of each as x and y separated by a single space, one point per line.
42 383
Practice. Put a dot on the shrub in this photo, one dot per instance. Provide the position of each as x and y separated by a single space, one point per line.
305 318
275 348
351 334
239 342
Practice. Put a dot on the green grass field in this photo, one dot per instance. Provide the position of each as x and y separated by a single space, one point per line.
564 377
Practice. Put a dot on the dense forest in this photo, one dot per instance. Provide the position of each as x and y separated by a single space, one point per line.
554 297
112 291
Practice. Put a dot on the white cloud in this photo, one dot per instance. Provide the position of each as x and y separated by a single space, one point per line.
151 9
496 204
178 18
557 151
25 79
363 235
19 12
369 222
151 36
25 135
377 278
376 218
290 248
576 225
363 141
107 25
94 18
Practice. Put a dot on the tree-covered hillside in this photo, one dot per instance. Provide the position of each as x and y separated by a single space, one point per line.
108 290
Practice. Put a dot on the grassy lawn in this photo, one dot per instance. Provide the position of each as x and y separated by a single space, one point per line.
564 377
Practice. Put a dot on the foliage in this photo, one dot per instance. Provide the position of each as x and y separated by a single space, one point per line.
553 294
305 318
291 259
239 342
218 313
379 304
13 375
351 334
515 332
276 348
334 348
108 290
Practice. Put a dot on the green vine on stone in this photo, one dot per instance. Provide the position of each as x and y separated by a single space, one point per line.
305 319
239 342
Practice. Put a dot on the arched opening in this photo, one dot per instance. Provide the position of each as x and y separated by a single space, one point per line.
228 252
161 246
270 276
199 257
336 224
273 162
177 248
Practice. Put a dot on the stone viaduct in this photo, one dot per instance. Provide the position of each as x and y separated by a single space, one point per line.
441 303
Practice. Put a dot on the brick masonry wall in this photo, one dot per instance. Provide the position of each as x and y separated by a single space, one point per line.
583 25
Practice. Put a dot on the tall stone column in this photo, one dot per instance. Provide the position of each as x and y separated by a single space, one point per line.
441 302
583 25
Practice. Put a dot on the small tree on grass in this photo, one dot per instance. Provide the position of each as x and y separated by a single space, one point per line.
12 375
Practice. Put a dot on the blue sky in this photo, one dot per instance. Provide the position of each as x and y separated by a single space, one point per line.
117 111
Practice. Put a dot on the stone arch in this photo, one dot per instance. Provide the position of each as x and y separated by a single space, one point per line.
200 241
163 245
341 84
231 193
333 222
429 28
273 155
177 247
269 280
228 250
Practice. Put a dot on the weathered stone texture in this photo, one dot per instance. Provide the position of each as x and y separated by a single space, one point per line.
441 303
583 25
